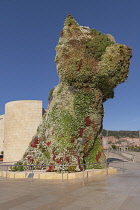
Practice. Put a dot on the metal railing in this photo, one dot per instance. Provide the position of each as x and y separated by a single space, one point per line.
32 169
125 155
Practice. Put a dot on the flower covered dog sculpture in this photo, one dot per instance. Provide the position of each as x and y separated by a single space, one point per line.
90 65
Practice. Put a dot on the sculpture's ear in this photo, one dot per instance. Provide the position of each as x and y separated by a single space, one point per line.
71 28
70 21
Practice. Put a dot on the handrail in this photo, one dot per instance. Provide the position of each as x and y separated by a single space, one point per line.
121 153
55 165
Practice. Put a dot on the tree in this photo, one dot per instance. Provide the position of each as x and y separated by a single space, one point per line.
114 146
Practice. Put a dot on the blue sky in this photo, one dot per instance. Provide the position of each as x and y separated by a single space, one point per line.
29 32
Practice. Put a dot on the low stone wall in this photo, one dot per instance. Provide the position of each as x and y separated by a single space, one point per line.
53 175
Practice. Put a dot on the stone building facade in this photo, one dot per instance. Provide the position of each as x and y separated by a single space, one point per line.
18 126
1 133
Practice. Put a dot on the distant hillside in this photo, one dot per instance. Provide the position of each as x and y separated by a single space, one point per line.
119 134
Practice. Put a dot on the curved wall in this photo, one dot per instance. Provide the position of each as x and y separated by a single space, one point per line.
1 132
21 121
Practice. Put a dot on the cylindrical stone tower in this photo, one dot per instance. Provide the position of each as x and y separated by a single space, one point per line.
1 132
21 121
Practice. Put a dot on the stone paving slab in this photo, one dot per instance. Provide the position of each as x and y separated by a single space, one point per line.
108 192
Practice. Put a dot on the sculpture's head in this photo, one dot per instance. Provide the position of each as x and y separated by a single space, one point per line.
87 58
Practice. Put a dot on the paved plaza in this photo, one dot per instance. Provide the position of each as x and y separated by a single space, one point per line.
108 192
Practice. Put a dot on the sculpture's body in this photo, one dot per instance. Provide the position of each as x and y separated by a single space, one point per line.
90 65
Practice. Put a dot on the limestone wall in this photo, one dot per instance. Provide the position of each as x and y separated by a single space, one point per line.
1 132
21 121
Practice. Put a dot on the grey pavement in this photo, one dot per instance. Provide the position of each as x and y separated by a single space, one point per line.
113 192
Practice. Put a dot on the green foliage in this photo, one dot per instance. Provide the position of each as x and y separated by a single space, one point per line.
114 146
50 93
91 158
83 102
71 168
70 21
47 154
97 46
64 121
120 134
17 167
94 31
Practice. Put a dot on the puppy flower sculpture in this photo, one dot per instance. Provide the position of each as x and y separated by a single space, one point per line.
90 65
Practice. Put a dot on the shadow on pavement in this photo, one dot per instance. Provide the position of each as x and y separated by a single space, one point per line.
109 160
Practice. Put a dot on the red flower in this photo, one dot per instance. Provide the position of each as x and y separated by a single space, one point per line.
81 168
88 121
54 156
72 140
60 160
51 168
34 142
30 159
67 159
48 143
98 156
81 130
